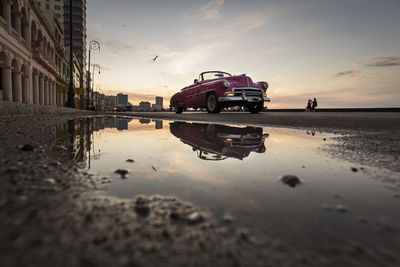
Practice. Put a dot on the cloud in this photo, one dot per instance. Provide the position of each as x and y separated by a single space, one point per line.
384 62
251 23
349 74
211 10
122 49
259 18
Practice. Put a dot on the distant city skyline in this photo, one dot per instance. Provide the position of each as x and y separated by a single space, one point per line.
345 53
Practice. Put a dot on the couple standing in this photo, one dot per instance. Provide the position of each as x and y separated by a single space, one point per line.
311 105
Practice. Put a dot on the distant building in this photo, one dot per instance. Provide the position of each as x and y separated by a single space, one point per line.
159 103
110 101
122 99
144 106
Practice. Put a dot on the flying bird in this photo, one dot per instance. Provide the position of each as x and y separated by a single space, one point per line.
154 59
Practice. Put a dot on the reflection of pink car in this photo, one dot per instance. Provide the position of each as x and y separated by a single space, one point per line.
218 142
216 89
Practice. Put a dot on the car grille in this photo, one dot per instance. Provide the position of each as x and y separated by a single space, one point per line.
248 91
246 140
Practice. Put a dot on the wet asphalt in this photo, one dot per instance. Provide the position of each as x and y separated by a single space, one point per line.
53 214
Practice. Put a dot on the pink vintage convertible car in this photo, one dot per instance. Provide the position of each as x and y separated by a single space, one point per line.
215 90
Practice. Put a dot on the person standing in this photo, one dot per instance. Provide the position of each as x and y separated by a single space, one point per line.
309 105
314 104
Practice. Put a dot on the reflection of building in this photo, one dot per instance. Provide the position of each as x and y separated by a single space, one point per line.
159 103
218 142
122 99
144 106
159 124
144 121
122 124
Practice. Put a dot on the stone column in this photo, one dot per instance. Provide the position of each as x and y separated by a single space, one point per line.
46 91
25 88
35 88
7 85
17 86
54 94
41 89
57 96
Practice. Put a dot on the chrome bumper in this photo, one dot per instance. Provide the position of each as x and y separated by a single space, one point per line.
243 98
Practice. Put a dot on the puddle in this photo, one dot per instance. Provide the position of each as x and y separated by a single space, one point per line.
235 172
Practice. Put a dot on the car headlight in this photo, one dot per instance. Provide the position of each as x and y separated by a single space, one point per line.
230 94
226 84
265 85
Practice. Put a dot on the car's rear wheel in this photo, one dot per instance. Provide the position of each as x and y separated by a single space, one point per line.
257 107
178 109
213 105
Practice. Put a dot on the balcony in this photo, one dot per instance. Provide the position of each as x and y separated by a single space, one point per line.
43 58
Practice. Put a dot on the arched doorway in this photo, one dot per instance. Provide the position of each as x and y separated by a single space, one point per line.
5 77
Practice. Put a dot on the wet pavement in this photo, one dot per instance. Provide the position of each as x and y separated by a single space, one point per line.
151 192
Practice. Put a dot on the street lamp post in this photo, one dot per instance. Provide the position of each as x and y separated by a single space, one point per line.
93 45
94 66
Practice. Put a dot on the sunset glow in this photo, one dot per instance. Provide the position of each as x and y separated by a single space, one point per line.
345 53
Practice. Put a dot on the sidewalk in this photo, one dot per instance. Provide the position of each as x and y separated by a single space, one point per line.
13 108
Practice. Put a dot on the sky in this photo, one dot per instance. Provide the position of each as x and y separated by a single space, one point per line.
346 53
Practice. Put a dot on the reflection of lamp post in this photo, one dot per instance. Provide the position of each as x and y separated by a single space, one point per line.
93 45
94 67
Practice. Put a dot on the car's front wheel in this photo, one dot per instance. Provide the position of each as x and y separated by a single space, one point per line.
257 107
178 109
213 105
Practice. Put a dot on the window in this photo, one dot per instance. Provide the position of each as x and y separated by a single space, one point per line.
1 9
57 7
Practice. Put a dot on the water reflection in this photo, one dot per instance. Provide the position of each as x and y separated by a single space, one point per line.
219 142
77 137
122 124
166 162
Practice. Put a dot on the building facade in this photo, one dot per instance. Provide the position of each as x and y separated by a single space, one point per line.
122 99
144 106
28 49
159 103
78 33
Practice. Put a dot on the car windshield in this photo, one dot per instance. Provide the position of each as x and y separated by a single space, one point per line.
213 75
